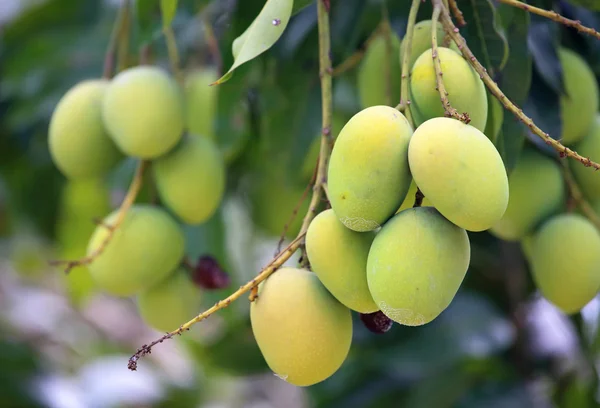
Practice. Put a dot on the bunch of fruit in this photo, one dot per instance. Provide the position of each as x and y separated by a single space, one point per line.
143 113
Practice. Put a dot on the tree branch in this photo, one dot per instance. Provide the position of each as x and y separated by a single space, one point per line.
458 15
173 53
552 15
410 28
387 69
578 197
453 31
119 27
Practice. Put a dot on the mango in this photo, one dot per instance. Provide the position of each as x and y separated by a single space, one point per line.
460 171
191 178
588 178
579 107
416 265
201 102
409 201
78 141
169 303
338 256
368 173
495 117
143 111
421 41
145 249
527 246
372 83
536 192
565 261
466 91
303 332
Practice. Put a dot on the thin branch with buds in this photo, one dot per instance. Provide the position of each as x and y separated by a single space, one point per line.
404 104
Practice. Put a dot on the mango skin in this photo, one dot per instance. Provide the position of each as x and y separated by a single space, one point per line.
201 102
466 91
368 171
191 179
579 106
421 41
460 171
143 111
145 249
169 303
371 78
78 141
416 265
536 192
338 256
587 177
565 261
495 118
303 332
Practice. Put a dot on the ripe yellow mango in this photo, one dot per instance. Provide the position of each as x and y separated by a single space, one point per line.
368 170
190 179
372 82
169 303
201 102
303 332
143 111
78 141
145 249
338 256
416 265
421 41
588 178
460 171
536 192
466 91
579 106
565 260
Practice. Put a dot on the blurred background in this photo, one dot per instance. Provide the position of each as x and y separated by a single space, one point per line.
64 344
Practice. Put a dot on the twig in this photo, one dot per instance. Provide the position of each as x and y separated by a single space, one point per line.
123 39
173 53
355 58
458 15
507 103
404 101
293 216
578 197
111 50
552 15
439 75
387 69
276 263
418 198
213 44
128 201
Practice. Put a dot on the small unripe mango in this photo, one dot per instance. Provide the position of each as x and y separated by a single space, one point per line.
190 179
338 256
78 141
460 171
368 170
565 260
303 332
466 91
416 265
588 178
169 303
421 41
201 102
145 249
143 112
536 192
579 106
372 83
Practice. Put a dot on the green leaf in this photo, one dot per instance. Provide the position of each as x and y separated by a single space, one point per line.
484 35
264 31
168 9
543 40
299 5
511 140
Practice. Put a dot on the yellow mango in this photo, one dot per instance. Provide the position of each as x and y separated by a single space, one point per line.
421 41
565 260
536 192
338 256
416 265
78 141
372 83
145 249
143 111
201 102
302 331
460 171
579 107
466 91
588 178
190 179
368 171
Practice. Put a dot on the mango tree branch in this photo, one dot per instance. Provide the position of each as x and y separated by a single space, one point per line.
119 27
458 15
552 15
387 69
173 53
451 29
578 197
404 104
128 201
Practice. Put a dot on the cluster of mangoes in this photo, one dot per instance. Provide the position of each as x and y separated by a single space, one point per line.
145 114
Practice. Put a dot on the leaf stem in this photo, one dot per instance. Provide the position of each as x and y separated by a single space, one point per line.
173 53
404 104
118 28
552 15
453 31
578 197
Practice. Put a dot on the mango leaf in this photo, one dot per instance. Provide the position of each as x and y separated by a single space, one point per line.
147 21
511 140
168 9
264 31
543 42
543 106
484 35
300 5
